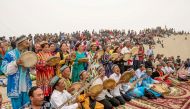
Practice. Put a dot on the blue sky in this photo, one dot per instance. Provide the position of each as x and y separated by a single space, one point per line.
38 16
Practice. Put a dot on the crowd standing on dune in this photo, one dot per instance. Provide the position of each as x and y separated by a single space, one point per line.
89 70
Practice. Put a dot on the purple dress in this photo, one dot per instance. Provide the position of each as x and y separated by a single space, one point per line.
107 64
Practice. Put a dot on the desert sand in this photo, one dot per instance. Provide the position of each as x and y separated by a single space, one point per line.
173 46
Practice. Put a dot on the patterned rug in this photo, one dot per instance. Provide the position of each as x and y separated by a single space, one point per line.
178 98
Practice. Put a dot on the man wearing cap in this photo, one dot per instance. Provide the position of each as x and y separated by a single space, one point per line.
60 95
84 76
104 97
66 73
116 91
19 81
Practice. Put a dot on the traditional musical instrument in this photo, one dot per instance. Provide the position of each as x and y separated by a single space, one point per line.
160 88
53 60
83 60
126 56
76 86
99 54
109 83
29 59
125 77
136 81
114 56
86 86
134 50
95 90
174 81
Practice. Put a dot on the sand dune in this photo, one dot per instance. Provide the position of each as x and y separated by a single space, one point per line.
174 46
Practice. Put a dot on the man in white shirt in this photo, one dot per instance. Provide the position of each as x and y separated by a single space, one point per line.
126 49
149 51
168 68
104 97
116 91
60 95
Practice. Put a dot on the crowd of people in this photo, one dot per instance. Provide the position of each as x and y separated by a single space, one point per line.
91 60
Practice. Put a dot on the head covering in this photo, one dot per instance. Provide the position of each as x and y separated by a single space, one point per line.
99 68
159 65
82 72
142 65
148 70
93 43
43 42
114 65
21 39
63 68
54 80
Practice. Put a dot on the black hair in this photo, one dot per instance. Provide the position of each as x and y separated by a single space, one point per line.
22 36
43 45
31 91
77 45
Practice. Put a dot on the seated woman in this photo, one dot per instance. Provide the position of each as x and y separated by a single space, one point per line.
148 82
159 75
134 87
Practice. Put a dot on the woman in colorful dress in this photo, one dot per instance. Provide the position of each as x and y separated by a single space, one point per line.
93 62
160 76
64 56
78 66
44 73
106 61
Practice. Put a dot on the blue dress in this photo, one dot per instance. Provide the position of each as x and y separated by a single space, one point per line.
147 82
138 90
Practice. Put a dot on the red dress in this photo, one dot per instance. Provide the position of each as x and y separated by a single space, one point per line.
44 73
166 80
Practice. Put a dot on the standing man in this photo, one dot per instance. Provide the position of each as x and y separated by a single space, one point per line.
19 81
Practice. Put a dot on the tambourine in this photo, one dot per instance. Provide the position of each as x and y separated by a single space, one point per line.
29 59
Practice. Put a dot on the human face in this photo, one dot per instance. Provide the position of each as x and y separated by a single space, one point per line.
149 73
107 49
93 47
85 75
24 44
159 67
66 73
38 97
116 70
102 72
52 47
64 47
37 47
61 84
46 48
143 68
80 48
118 50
